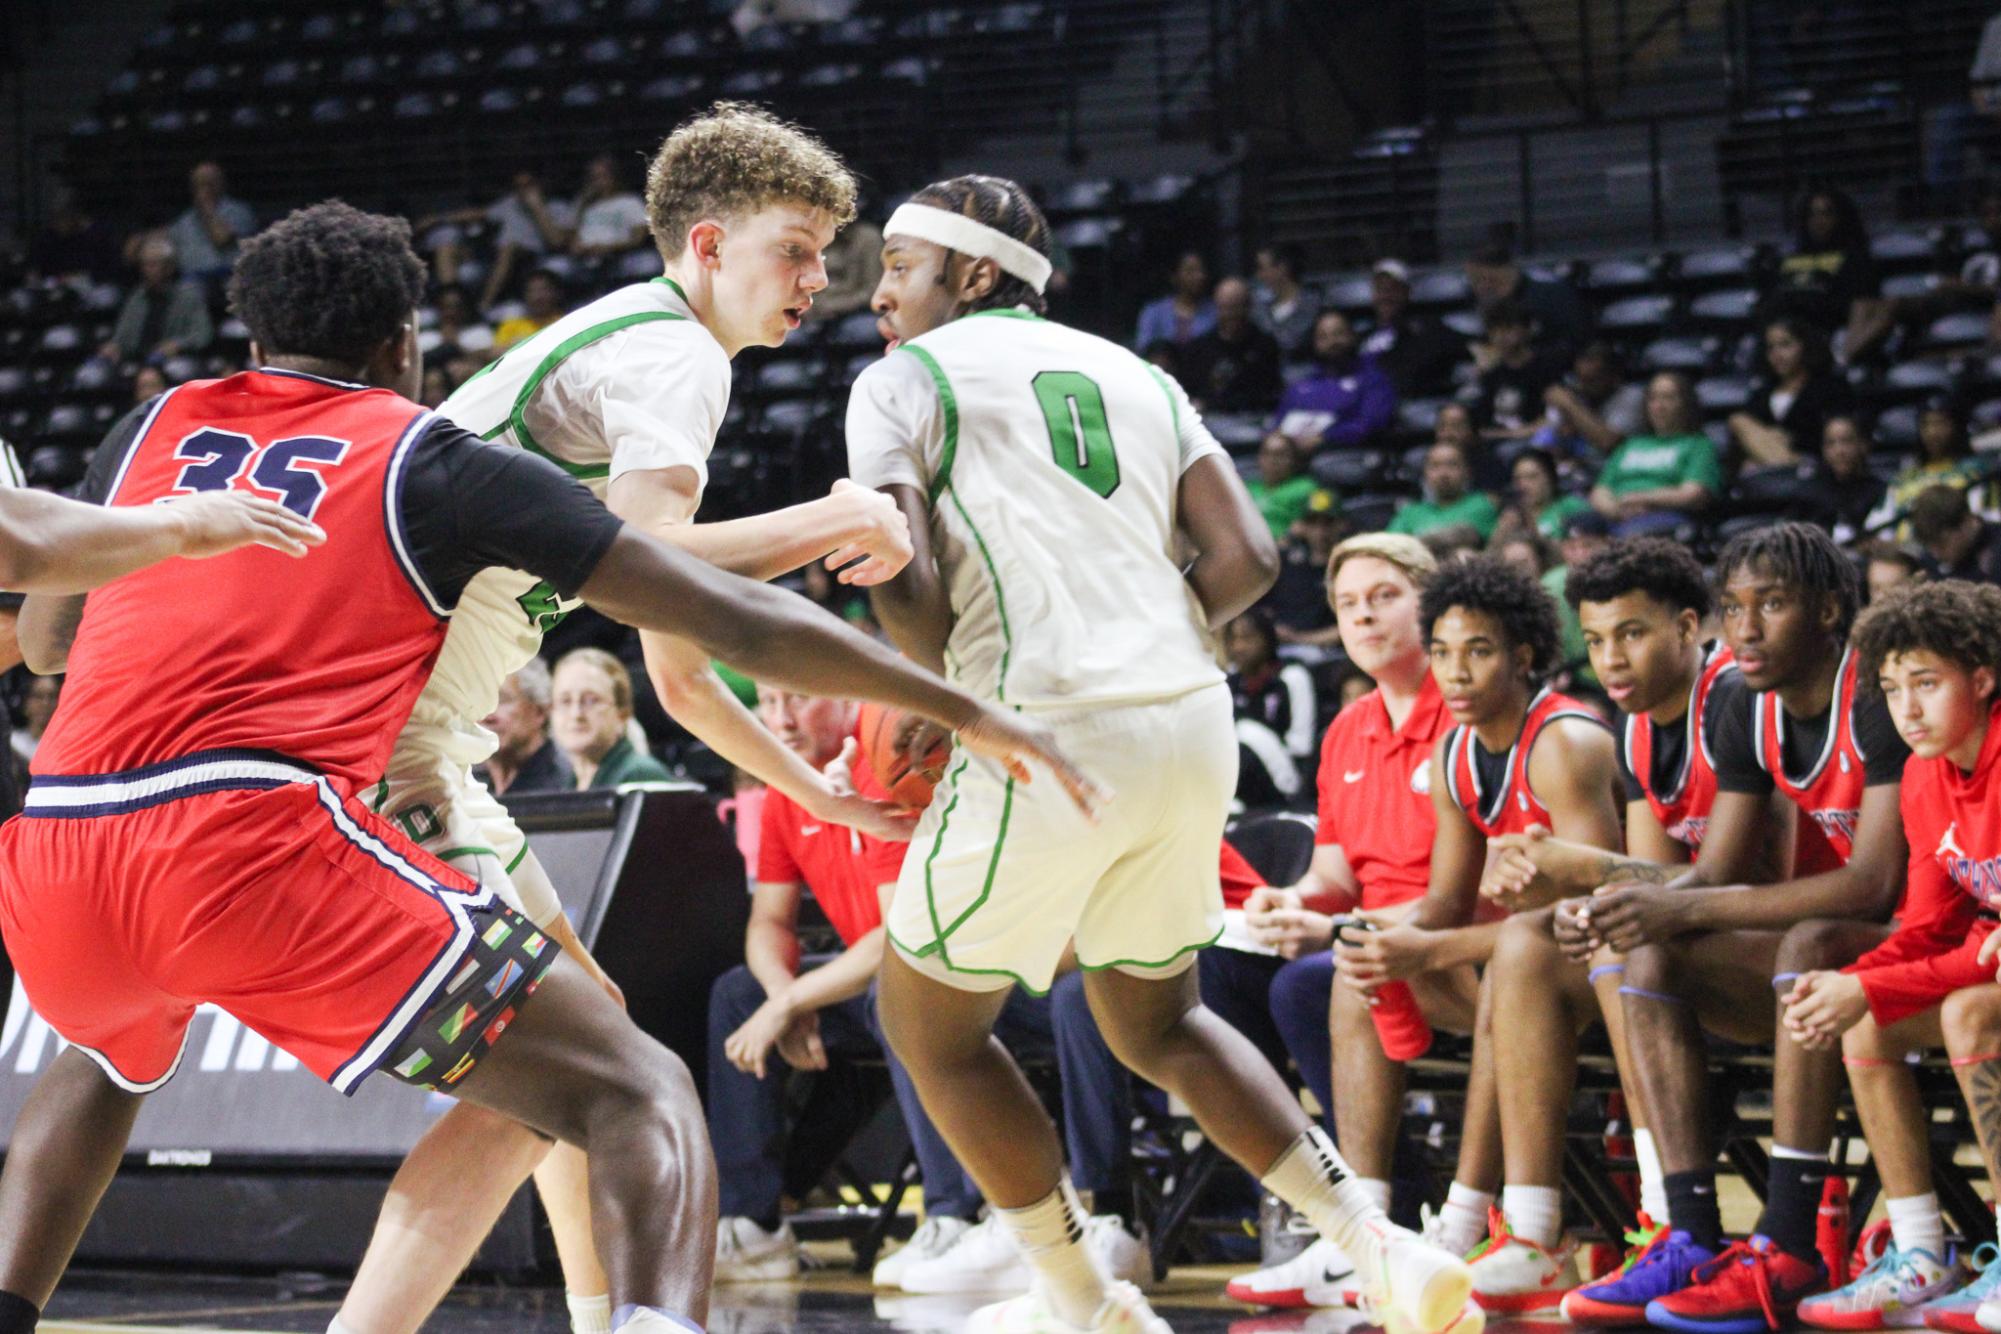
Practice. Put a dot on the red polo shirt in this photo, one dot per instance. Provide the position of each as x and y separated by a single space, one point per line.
841 867
1375 793
1240 881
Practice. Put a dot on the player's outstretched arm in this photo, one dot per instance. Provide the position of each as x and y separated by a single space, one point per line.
1236 560
857 531
784 640
52 545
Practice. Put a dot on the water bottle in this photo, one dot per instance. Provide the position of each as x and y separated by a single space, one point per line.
1400 1024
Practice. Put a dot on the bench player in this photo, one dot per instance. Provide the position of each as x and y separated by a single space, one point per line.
208 843
1049 478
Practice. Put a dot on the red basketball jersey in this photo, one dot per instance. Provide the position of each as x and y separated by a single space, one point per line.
1514 808
1830 795
318 659
1683 808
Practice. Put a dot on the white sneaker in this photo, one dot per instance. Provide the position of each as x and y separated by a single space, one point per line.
933 1238
1125 1312
1988 1315
1406 1276
1514 1276
984 1259
1435 1230
746 1253
1121 1256
1472 1320
1320 1275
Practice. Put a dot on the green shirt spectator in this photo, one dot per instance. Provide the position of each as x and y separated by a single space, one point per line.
1654 463
1449 499
590 708
624 764
1282 487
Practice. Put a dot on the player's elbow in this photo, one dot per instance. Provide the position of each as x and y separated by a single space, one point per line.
24 559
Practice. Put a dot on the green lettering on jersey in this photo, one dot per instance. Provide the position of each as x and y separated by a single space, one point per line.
543 607
1080 440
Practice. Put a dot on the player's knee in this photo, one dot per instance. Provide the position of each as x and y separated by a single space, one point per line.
1865 1043
1524 949
1650 968
1971 1018
1818 942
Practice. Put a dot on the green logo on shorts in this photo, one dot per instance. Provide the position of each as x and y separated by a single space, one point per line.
543 607
497 934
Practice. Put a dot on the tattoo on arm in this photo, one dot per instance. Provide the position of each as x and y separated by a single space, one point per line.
1982 1083
1624 869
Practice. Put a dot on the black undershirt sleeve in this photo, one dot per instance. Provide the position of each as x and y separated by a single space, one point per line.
1730 739
466 506
1883 749
110 455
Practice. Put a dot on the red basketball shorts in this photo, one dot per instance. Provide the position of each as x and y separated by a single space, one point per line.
246 880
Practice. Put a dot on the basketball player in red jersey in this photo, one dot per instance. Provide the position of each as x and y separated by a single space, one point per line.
1704 948
205 844
52 545
1935 651
1520 753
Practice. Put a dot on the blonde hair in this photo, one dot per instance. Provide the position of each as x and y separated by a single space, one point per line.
614 670
735 159
1408 554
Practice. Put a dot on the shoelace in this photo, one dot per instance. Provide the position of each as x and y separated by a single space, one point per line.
1887 1265
1744 1253
1986 1265
1642 1243
1497 1234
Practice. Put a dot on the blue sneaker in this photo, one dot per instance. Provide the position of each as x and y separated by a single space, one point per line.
1658 1263
1954 1314
1889 1294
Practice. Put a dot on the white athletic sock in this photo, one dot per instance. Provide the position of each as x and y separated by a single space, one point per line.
1050 1233
338 1328
1653 1178
1917 1225
1312 1177
1462 1221
589 1315
1535 1213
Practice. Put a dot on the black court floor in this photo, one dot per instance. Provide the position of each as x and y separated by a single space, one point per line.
105 1303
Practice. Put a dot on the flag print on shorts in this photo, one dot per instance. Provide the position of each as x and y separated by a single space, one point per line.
506 960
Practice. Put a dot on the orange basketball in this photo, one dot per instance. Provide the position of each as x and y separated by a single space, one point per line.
907 784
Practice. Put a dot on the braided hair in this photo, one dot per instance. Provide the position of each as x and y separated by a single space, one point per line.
1804 556
1004 206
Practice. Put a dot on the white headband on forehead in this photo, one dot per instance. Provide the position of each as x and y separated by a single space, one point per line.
956 231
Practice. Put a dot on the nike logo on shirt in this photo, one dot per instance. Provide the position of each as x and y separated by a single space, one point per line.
808 830
1352 775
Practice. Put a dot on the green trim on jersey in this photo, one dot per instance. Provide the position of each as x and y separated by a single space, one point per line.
517 417
1140 963
381 795
669 282
1173 408
519 857
1006 313
993 867
949 401
450 853
937 944
1000 600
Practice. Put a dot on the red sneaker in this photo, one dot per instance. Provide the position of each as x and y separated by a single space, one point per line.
1751 1288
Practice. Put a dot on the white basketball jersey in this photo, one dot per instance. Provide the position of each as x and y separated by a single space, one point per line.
1053 460
630 382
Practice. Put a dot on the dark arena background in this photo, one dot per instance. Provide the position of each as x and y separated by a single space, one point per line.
1525 276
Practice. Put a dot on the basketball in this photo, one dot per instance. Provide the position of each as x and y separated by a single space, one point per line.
907 784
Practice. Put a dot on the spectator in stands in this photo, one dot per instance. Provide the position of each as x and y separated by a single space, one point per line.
1840 491
148 383
1514 374
1277 712
591 719
1888 565
1298 600
1958 544
38 705
1971 283
205 236
72 244
1416 353
164 317
611 222
1536 556
1186 312
1829 279
1945 458
1555 314
527 225
1594 407
1235 366
1656 481
854 264
1285 308
1788 412
1449 499
1347 402
1536 502
458 332
542 306
1585 534
1281 488
527 760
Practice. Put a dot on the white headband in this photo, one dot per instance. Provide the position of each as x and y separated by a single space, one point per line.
956 231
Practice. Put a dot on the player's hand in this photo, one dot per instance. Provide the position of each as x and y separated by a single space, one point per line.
1572 930
1822 1006
1627 916
1366 960
800 1044
216 522
1277 918
839 803
1017 740
880 547
749 1048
